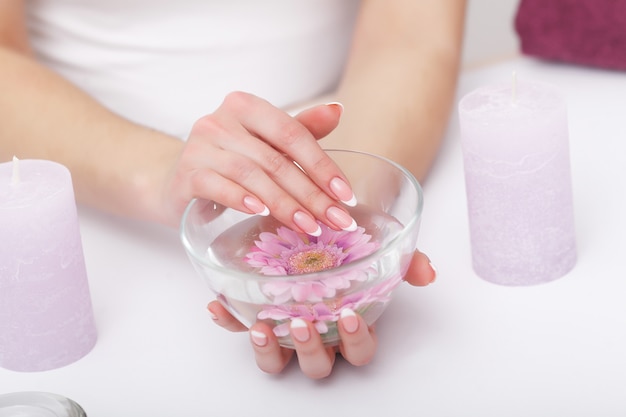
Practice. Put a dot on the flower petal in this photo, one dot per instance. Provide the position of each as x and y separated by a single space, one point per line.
281 330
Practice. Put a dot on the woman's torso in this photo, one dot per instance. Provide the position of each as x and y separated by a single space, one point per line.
164 63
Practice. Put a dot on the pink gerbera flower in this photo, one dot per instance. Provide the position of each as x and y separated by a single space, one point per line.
289 253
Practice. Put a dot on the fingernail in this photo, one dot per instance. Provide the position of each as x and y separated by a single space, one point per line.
213 315
343 191
434 272
349 320
341 219
300 330
256 206
258 338
307 223
338 105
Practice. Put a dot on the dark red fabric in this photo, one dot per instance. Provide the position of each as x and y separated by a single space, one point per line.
585 32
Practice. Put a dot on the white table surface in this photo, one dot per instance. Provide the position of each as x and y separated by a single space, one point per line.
460 347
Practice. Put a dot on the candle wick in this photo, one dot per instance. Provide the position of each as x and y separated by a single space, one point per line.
514 88
15 178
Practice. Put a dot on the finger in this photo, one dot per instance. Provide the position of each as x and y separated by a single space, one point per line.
280 187
421 271
292 138
210 185
235 173
358 342
269 355
223 318
316 361
226 177
198 175
321 120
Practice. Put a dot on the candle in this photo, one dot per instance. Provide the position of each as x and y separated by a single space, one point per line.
514 138
46 318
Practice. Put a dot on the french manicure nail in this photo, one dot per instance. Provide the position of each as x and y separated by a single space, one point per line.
300 330
307 223
256 206
338 104
349 320
258 338
343 191
434 270
341 219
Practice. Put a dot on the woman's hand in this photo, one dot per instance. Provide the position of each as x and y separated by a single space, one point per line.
358 341
242 156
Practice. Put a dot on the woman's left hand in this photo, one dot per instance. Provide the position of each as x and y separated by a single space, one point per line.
358 341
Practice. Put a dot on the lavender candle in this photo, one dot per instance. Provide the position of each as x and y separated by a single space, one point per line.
517 173
46 318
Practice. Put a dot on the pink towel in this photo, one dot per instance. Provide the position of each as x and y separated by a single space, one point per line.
584 32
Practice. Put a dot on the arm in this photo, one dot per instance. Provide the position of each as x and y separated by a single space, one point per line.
400 80
44 116
235 156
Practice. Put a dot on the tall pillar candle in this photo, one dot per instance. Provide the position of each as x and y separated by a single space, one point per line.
515 145
46 318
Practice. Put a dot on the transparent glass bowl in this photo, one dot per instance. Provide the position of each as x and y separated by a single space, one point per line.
218 239
38 404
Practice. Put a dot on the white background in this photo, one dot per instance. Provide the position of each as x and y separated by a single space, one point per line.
489 31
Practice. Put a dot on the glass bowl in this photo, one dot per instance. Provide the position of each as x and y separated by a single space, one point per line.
38 404
262 271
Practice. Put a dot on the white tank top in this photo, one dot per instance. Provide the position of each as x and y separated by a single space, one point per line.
165 63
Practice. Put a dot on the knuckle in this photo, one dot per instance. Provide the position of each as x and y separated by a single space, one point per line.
237 100
240 169
282 208
360 361
291 132
269 361
358 352
272 369
197 181
323 164
313 197
222 194
276 164
319 372
208 125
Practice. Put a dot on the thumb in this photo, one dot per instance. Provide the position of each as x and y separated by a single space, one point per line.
322 119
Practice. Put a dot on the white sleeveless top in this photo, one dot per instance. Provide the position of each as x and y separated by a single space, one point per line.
165 63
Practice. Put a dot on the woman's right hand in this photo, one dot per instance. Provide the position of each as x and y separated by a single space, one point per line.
254 157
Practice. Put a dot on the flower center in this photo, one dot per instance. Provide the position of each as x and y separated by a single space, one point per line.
313 260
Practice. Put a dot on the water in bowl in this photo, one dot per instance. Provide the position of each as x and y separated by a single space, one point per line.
248 301
229 248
